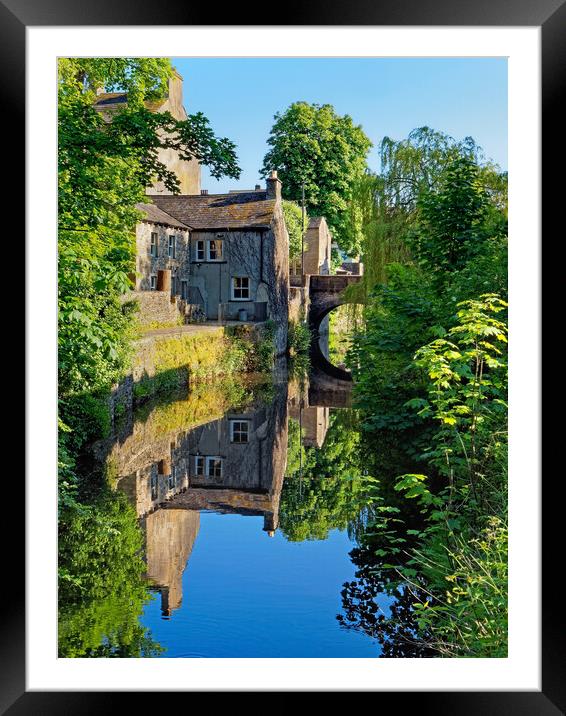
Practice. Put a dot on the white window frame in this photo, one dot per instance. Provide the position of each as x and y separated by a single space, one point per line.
153 282
233 286
239 421
215 241
153 247
172 246
199 466
200 245
209 460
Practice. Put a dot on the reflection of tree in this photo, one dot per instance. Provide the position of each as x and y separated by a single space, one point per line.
328 493
101 587
387 539
393 627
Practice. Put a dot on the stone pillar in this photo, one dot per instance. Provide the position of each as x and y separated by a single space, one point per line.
164 280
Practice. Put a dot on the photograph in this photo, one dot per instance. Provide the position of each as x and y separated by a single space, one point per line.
282 357
283 329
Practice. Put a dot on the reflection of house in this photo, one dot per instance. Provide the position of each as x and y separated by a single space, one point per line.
235 464
314 421
169 540
318 242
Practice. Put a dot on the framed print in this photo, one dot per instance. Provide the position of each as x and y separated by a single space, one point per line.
268 298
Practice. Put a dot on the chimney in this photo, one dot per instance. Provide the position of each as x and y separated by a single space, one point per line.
258 187
273 186
204 192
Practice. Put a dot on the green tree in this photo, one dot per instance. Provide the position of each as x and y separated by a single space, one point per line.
293 215
311 143
104 168
387 204
452 224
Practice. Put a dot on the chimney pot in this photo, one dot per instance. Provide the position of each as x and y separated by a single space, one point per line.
204 192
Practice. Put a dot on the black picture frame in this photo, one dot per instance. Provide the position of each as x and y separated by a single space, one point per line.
550 15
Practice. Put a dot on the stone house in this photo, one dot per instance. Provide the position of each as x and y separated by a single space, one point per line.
219 257
227 254
188 173
317 253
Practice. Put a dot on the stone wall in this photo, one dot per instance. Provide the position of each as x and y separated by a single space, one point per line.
157 307
298 304
148 265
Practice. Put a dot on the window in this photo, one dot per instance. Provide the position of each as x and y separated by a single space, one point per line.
214 467
184 289
172 481
153 486
153 244
199 465
241 288
199 250
215 248
153 282
239 431
172 246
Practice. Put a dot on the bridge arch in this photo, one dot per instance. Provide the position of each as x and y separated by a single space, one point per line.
325 294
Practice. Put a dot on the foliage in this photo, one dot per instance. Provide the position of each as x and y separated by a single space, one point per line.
310 143
298 338
101 586
324 489
293 216
431 380
104 168
452 226
263 355
388 204
467 394
191 357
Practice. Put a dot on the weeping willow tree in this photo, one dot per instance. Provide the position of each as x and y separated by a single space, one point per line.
386 204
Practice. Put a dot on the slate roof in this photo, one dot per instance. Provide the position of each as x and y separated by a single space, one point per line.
108 98
243 210
157 216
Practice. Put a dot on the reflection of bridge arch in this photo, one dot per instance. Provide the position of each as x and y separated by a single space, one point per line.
325 294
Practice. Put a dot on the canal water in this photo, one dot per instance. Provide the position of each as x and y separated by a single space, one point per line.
251 499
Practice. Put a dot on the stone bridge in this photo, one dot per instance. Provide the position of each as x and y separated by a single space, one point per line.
325 294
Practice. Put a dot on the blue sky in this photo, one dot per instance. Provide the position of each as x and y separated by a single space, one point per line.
387 96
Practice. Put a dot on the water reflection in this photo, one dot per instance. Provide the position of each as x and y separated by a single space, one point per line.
210 476
233 464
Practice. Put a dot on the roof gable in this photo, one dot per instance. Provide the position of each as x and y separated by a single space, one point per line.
155 215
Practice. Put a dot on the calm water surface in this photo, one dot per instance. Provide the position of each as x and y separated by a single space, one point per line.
246 595
249 499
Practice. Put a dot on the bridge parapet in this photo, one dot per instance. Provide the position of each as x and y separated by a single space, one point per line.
332 284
